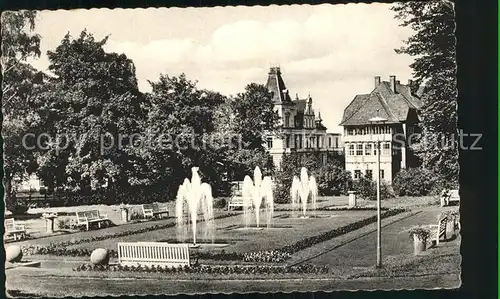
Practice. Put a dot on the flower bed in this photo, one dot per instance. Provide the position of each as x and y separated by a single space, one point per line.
209 269
336 208
59 248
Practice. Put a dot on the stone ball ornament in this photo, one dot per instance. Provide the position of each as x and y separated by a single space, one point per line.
13 254
100 256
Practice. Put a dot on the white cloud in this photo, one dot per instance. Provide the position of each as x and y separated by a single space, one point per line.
331 51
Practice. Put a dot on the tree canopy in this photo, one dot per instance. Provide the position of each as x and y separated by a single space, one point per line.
433 46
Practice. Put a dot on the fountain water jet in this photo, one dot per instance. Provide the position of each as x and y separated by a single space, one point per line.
301 188
254 192
194 197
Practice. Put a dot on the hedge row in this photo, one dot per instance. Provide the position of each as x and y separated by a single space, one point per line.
60 248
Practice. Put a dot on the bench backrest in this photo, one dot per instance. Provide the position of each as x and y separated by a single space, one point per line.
160 207
87 215
442 225
153 253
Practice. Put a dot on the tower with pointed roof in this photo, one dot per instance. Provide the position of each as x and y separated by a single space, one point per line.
398 107
302 130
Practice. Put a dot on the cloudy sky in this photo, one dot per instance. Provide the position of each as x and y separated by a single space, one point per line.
330 51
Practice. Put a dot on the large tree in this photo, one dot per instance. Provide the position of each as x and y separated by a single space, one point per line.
20 82
434 67
94 103
253 118
180 125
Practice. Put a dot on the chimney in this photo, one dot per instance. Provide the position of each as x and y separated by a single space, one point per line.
393 83
377 81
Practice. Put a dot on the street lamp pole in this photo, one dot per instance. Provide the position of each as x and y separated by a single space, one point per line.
379 220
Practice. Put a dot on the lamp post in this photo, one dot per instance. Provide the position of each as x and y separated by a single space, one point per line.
377 120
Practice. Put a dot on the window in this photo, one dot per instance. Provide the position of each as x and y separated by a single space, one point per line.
329 141
357 174
368 149
300 141
386 150
296 140
287 119
381 173
318 141
351 149
336 142
269 142
369 174
287 141
359 149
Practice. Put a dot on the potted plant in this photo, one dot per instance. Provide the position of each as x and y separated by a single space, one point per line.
419 235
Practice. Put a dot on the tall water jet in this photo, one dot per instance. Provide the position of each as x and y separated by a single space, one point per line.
254 194
301 189
193 198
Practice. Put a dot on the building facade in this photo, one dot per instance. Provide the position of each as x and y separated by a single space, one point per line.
398 107
301 128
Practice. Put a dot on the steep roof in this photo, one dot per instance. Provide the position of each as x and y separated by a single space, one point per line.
276 86
381 102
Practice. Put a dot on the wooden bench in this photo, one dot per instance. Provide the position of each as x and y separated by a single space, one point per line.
153 253
440 229
236 202
18 231
449 196
154 209
88 217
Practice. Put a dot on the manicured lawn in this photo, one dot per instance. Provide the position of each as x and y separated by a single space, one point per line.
230 230
395 244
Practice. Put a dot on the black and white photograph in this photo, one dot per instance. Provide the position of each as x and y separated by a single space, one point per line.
236 149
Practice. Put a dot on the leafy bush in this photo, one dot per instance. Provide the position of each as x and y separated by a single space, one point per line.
16 206
220 202
414 182
367 189
422 233
332 178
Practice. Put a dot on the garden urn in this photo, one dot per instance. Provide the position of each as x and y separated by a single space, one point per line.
49 221
352 199
124 213
418 244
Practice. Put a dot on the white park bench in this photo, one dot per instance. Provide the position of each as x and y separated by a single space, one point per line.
153 210
449 196
440 229
153 254
18 231
89 217
237 202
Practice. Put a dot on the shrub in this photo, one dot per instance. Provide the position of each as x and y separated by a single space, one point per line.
414 182
367 189
332 178
220 203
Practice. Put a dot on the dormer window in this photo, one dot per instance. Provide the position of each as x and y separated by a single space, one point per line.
287 120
